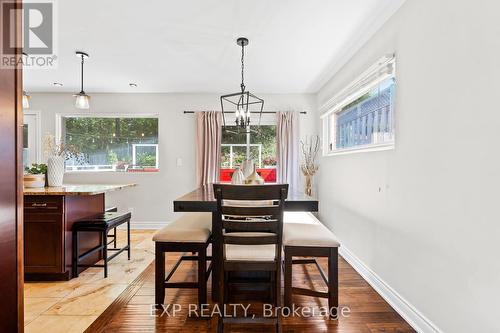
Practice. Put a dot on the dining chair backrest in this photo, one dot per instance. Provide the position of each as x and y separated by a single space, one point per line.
250 214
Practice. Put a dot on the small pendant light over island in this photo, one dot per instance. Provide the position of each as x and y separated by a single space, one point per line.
82 100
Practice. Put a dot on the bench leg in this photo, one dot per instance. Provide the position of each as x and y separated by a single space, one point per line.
159 276
202 273
75 255
288 280
114 238
104 235
128 238
333 282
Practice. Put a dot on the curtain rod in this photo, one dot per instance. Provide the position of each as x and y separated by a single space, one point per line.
256 112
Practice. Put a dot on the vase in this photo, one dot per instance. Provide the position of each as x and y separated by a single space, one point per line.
254 178
34 181
238 178
55 170
308 184
247 167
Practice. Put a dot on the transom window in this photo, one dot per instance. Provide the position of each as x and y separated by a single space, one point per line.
362 116
112 143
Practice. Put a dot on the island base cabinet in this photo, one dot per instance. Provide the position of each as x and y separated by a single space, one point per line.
48 221
43 237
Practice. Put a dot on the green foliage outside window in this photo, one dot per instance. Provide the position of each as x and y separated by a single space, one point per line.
266 137
109 141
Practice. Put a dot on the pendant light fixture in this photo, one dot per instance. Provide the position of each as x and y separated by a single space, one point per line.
26 100
82 100
243 102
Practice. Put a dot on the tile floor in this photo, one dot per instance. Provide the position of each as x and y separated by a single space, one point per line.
71 306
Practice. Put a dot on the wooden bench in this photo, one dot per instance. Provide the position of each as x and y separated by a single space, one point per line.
190 233
101 223
305 236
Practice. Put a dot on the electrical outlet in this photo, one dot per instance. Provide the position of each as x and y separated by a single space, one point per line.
179 161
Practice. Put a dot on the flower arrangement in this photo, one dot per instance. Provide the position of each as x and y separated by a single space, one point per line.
310 149
66 151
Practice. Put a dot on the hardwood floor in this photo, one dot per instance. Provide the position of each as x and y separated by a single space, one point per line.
133 310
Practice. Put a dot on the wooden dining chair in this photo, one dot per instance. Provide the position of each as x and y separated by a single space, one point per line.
249 228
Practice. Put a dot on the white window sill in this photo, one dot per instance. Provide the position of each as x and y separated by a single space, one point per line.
113 171
361 149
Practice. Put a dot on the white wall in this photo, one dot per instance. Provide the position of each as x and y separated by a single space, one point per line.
152 198
424 217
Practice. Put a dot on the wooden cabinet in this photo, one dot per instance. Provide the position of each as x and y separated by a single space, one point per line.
43 237
48 220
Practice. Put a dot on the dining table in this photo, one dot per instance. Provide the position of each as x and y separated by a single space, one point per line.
203 200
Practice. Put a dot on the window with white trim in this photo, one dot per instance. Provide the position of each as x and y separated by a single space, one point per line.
361 117
111 142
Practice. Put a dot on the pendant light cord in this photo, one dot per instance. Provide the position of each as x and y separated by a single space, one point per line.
82 74
242 67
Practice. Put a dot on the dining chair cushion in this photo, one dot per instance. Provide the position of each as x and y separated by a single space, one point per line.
306 234
300 217
249 234
190 227
250 252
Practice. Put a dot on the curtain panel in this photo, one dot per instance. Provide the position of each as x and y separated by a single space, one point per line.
287 137
208 147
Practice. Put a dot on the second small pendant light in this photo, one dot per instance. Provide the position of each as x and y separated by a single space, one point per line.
82 100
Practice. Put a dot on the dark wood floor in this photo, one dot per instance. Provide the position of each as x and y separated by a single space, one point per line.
132 311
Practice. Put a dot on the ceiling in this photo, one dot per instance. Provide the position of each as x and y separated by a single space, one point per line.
189 46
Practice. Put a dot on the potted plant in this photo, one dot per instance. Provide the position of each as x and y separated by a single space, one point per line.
35 175
57 155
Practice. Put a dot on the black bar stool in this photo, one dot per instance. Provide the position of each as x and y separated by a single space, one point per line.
101 223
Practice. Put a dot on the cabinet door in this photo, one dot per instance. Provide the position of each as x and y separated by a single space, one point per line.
43 241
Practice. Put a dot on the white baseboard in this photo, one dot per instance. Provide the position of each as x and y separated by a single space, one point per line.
138 225
412 316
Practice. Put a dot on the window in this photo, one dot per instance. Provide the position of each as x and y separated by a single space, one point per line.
262 149
126 144
362 116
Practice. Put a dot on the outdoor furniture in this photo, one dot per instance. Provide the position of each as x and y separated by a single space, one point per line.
305 236
248 232
101 223
190 233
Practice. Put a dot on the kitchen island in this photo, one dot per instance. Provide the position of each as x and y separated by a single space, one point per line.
49 214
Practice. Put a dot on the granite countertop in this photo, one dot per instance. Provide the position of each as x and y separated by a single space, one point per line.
76 189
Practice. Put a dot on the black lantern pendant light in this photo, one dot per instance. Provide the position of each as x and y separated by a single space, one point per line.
82 100
242 103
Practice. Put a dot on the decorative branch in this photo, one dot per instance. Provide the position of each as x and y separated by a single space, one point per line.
310 150
51 148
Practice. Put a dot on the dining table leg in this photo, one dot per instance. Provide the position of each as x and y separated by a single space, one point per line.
216 257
